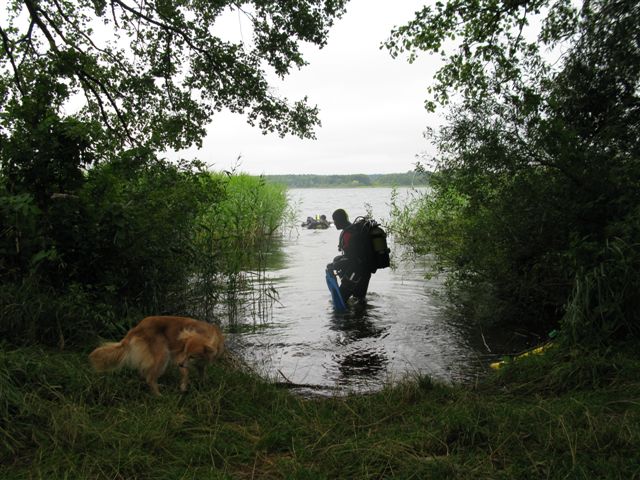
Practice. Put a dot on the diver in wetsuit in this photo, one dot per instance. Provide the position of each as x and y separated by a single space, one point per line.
353 265
323 222
316 223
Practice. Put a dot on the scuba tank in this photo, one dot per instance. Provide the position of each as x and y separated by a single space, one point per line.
379 245
373 239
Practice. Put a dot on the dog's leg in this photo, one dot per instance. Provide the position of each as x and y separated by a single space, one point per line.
152 381
201 371
153 384
184 379
156 370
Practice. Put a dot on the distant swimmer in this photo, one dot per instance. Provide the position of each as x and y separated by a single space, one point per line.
319 222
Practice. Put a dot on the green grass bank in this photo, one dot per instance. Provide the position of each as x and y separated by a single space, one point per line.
558 416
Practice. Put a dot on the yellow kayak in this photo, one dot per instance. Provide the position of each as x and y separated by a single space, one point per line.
534 351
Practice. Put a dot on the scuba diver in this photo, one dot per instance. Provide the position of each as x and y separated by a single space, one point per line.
354 265
323 222
309 222
316 223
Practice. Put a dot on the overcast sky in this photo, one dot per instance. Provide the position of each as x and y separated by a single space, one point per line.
371 106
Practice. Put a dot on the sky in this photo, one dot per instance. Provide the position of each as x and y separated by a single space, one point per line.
371 106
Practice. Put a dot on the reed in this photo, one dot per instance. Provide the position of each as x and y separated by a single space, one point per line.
604 306
235 239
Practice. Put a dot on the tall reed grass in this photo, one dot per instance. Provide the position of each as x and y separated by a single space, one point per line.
235 239
604 307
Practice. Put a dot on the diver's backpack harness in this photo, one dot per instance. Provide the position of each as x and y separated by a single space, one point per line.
372 240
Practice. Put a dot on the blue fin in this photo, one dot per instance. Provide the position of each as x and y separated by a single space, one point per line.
332 283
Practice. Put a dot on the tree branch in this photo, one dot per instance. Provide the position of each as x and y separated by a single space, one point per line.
33 12
88 39
16 71
162 25
84 76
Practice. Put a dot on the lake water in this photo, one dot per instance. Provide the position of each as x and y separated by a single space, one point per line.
402 329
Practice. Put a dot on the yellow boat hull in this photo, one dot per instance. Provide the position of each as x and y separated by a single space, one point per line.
534 351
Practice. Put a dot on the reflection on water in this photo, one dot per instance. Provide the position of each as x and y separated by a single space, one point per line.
357 363
401 329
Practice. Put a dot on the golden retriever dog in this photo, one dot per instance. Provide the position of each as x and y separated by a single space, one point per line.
156 341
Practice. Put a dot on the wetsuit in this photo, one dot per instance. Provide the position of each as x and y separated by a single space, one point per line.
351 266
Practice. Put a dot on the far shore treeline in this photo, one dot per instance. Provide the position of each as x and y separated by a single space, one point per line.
406 179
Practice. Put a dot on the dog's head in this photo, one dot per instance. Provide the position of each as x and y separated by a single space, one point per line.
197 348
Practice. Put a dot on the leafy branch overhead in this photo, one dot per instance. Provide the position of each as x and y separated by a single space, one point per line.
486 46
154 72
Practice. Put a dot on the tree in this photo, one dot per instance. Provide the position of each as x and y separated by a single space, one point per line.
153 73
93 226
535 202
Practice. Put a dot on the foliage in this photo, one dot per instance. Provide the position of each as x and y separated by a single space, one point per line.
131 241
488 48
541 163
604 304
153 74
89 249
58 419
120 243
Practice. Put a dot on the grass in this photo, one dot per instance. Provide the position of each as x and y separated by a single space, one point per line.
563 417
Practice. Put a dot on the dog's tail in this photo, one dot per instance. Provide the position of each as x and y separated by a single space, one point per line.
109 356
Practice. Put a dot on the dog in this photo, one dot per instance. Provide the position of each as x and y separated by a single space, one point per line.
156 341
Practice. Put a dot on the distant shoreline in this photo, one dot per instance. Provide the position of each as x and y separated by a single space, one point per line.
360 180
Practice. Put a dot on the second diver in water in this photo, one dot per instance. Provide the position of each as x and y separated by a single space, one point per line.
316 223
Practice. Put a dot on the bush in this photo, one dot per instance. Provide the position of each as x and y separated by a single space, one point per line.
533 211
141 236
119 245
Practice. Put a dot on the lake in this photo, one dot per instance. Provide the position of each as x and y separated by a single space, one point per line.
402 329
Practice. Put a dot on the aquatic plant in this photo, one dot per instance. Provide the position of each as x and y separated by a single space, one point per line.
235 238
